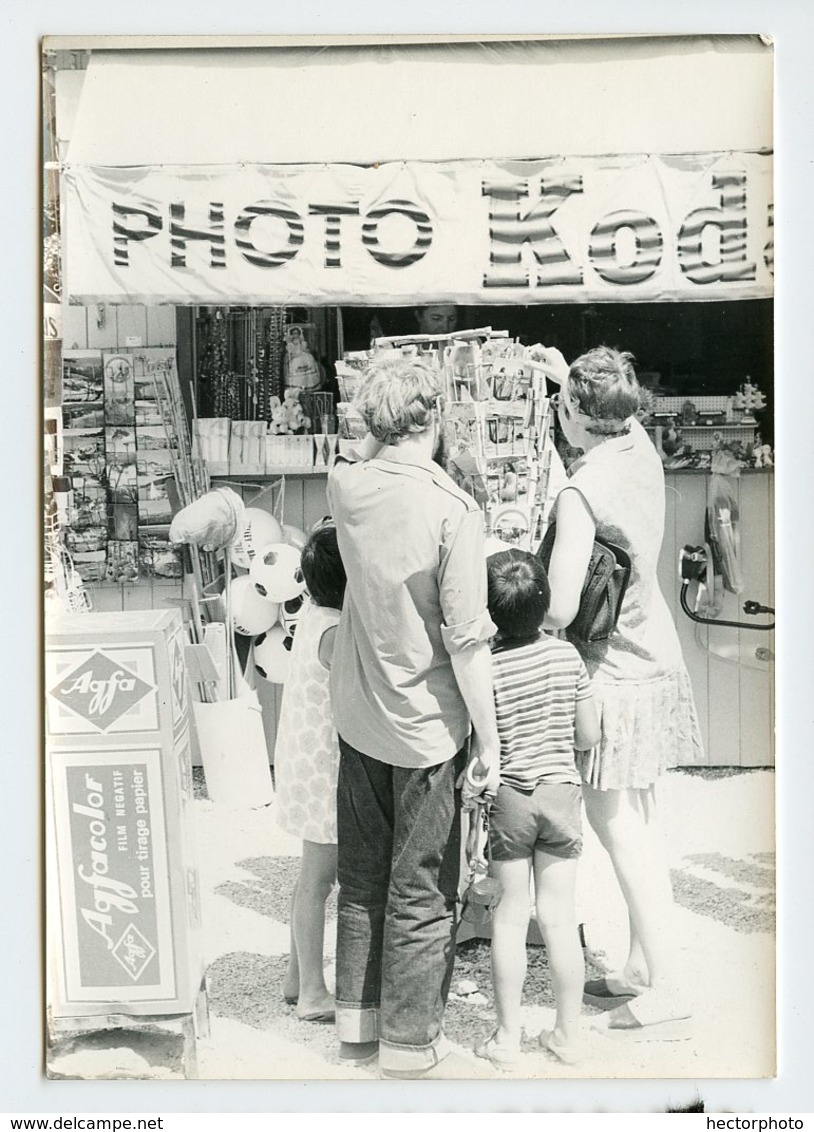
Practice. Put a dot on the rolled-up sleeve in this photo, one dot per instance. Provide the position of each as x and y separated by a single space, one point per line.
462 584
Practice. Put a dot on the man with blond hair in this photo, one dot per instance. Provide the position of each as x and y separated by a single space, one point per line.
410 676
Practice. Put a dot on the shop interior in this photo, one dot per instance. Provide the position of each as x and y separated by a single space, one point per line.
680 349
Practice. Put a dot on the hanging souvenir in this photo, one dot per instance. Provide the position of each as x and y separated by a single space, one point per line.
276 573
272 655
302 370
259 529
291 611
251 613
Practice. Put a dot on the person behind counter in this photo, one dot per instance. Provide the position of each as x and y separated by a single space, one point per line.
411 673
648 718
438 318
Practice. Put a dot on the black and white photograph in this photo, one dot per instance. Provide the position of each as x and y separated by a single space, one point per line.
409 645
503 805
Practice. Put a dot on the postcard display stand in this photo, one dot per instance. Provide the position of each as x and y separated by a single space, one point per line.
123 896
496 424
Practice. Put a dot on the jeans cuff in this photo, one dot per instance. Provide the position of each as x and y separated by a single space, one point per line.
357 1023
401 1058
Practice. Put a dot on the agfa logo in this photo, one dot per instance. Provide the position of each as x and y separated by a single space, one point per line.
178 678
100 690
134 952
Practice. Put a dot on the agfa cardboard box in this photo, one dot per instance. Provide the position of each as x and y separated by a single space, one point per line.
123 899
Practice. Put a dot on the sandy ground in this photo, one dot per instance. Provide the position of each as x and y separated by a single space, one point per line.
720 841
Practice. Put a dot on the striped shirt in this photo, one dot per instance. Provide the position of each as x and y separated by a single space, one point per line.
537 686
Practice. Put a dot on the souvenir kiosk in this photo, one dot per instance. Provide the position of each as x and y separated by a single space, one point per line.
615 207
202 261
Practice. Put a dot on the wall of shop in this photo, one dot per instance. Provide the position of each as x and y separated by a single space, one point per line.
731 669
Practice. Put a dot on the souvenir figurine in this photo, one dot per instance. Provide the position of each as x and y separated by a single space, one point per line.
748 400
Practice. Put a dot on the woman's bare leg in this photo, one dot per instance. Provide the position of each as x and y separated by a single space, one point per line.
625 823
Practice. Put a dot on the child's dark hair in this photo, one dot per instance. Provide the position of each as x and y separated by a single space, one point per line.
519 593
322 566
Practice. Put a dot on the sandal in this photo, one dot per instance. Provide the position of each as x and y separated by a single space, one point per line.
570 1054
599 990
328 1015
452 1066
502 1057
649 1017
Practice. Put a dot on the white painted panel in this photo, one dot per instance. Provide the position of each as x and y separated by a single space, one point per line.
756 716
131 322
161 326
74 327
689 503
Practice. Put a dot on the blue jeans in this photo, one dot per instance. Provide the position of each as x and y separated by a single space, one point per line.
399 862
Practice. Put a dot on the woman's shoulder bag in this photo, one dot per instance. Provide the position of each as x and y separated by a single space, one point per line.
603 590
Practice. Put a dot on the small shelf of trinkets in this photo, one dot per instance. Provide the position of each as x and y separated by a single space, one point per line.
707 422
260 405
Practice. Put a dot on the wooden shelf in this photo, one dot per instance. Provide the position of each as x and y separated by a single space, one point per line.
261 477
723 426
743 471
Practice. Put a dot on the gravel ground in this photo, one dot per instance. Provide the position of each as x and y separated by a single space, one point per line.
719 837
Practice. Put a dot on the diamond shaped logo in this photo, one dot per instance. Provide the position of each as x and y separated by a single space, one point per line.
134 952
178 678
100 690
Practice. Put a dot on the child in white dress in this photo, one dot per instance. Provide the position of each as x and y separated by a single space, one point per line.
306 764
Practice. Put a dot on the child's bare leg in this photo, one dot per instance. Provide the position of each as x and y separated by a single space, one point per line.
317 878
291 982
555 887
510 922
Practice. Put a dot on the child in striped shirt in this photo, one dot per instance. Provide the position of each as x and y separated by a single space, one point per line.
545 711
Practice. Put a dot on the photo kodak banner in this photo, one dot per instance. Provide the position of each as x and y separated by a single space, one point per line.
643 228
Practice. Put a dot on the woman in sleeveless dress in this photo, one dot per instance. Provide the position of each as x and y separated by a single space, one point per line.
648 719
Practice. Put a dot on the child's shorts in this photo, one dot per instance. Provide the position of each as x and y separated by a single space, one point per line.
548 818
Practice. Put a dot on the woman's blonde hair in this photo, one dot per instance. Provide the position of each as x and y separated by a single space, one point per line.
397 396
604 387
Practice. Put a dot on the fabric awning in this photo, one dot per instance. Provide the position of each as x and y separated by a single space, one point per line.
425 102
534 171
